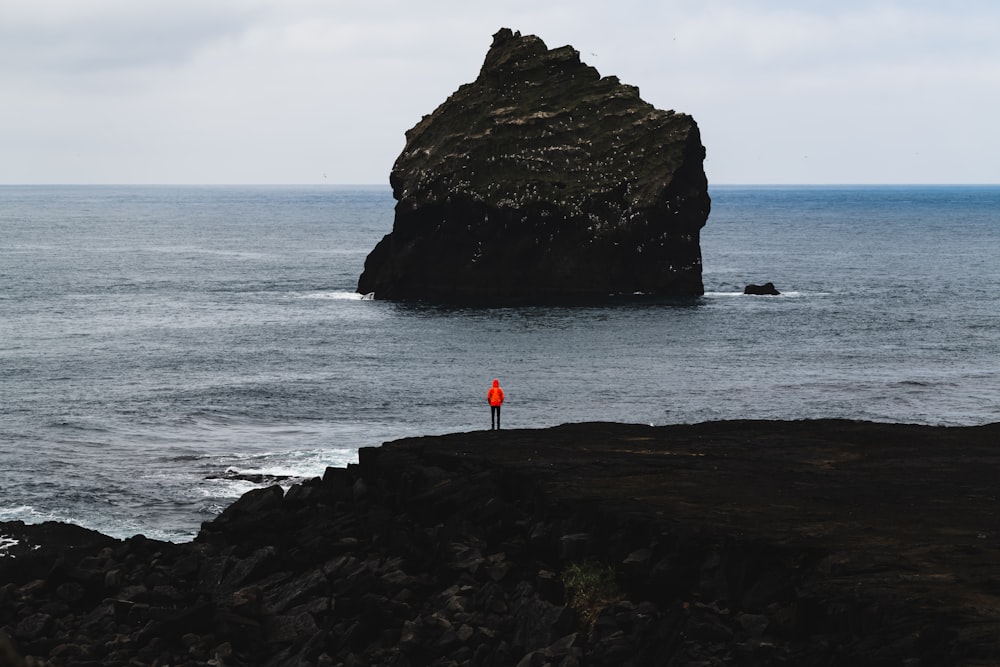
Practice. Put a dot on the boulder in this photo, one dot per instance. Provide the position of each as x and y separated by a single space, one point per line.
543 181
767 289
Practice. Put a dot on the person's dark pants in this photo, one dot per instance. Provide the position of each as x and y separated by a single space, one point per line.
495 417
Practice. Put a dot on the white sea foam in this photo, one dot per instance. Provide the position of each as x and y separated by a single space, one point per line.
6 543
292 465
787 295
336 295
281 468
28 514
225 490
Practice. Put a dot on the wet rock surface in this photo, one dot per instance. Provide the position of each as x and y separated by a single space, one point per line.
730 543
543 181
767 289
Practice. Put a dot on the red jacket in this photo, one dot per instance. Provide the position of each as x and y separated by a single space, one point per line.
495 394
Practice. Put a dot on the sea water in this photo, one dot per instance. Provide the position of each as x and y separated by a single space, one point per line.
165 349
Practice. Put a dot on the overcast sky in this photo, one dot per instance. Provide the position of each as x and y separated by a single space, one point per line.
285 91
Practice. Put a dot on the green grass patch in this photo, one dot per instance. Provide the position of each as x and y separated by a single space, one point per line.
590 587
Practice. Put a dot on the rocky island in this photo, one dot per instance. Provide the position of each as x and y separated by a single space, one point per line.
729 543
543 181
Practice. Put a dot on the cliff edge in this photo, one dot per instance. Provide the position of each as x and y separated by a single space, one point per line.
730 543
543 181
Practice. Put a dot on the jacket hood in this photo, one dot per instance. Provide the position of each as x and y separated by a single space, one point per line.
496 383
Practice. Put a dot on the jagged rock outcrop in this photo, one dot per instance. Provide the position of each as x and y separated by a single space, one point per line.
541 180
729 543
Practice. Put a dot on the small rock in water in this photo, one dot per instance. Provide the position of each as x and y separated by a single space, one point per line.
254 478
767 289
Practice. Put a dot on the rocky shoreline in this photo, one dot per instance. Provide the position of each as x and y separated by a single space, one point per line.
728 543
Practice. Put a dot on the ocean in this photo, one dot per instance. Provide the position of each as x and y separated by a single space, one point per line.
165 349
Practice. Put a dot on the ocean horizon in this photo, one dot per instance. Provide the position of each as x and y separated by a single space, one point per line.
166 348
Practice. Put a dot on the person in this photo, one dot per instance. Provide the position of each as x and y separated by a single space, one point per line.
495 398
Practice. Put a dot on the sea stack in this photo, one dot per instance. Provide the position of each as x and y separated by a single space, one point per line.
543 181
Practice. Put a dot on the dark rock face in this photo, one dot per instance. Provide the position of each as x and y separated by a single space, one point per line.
541 180
767 289
731 543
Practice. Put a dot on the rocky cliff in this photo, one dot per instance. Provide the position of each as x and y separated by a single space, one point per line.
542 180
731 543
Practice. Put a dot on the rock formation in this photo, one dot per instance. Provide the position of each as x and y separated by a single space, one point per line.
730 543
767 289
541 180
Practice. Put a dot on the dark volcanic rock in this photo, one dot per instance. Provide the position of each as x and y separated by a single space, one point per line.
767 289
731 543
541 180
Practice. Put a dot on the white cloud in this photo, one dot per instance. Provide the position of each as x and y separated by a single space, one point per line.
269 91
79 39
